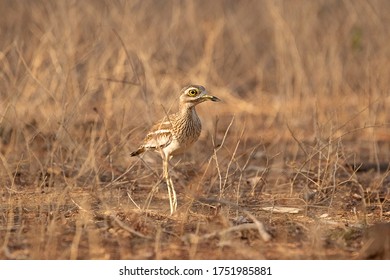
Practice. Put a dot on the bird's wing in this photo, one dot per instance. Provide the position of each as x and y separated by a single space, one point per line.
159 136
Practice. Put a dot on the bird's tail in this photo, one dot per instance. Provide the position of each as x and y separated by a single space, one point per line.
137 152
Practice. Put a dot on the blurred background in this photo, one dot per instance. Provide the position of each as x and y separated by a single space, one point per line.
321 67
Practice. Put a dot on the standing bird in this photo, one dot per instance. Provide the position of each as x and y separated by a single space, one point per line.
175 133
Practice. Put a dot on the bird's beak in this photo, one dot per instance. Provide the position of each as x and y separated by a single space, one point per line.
211 97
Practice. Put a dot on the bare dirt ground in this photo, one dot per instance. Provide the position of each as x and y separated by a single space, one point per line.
293 164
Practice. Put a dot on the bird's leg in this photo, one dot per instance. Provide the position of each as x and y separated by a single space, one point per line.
166 177
165 168
171 189
174 202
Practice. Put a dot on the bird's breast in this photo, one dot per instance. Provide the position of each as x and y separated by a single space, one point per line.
188 129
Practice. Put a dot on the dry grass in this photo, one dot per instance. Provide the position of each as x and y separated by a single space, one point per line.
305 125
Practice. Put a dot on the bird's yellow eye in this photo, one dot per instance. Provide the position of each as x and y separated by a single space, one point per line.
192 92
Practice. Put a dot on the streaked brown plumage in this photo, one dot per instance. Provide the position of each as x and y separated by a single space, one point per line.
175 133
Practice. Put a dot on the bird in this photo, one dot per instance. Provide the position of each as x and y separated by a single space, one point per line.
176 133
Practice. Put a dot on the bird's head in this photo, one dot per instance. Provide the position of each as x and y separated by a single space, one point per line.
195 94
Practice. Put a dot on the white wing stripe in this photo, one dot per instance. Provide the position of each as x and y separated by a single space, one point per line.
160 131
157 142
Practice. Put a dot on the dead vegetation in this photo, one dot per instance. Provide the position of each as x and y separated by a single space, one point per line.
293 164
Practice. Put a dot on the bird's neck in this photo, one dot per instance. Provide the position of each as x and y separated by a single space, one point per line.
187 109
